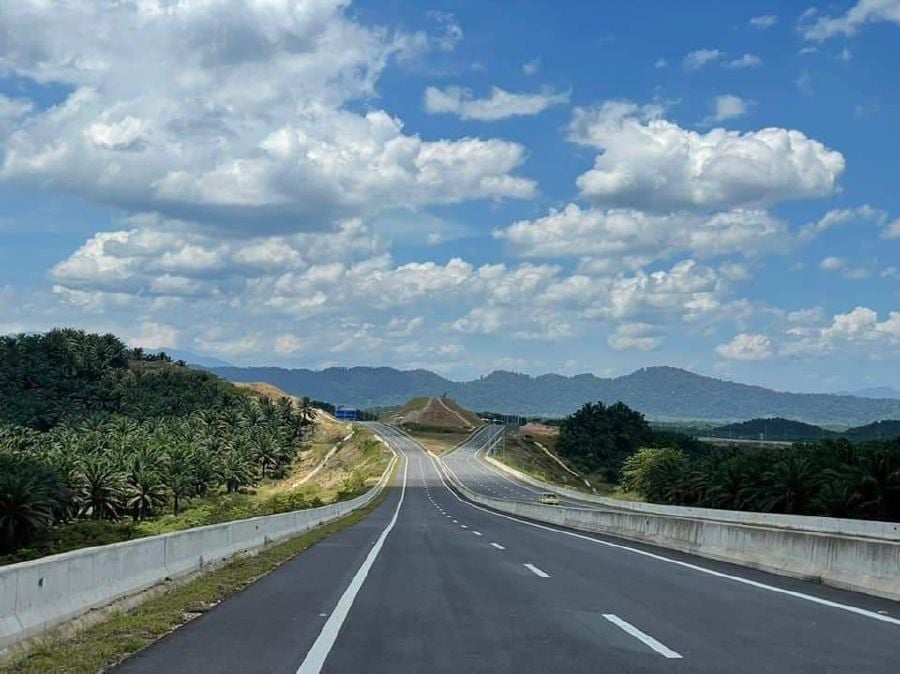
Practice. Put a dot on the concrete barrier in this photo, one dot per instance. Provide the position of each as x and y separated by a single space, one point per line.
825 525
41 594
862 564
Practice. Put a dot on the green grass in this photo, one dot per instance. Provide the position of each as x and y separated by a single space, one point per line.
108 643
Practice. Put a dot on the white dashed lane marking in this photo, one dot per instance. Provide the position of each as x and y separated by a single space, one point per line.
498 546
660 648
536 571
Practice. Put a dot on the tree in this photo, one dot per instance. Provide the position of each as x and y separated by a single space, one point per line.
100 489
236 470
178 476
654 472
597 437
28 498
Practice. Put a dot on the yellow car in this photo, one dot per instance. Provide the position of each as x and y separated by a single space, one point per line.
549 499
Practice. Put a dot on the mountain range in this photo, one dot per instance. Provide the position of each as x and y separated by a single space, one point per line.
661 393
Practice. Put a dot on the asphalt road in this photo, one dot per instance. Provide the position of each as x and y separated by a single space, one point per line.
430 583
468 466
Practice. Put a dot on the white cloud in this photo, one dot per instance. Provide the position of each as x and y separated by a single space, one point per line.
499 105
290 344
729 106
804 83
650 163
746 346
764 21
154 336
892 231
860 327
835 264
819 28
661 63
452 32
841 216
696 60
634 337
531 67
832 263
745 61
632 238
239 115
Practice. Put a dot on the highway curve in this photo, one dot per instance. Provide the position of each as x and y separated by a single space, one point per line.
431 583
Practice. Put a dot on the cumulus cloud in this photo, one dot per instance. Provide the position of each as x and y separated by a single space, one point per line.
632 238
746 346
764 21
745 61
728 106
531 67
499 105
838 217
237 115
820 28
696 60
892 230
836 264
635 337
653 164
859 327
154 336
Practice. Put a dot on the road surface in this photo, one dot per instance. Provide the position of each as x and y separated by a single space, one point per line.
468 466
430 583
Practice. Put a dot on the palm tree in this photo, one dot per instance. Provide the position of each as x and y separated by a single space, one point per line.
790 485
265 452
178 476
28 493
236 470
101 488
146 493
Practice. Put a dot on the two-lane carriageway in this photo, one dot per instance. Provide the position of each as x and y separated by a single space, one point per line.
431 583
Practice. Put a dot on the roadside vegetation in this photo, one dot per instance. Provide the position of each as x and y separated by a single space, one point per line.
835 478
124 633
100 443
831 477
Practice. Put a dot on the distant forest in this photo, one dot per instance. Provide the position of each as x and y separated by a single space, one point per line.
796 431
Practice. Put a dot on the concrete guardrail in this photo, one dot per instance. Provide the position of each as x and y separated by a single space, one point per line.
825 525
863 564
41 594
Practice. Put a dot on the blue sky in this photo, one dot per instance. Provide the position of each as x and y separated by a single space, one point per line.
461 186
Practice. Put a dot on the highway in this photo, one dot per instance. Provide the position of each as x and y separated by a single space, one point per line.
468 467
431 583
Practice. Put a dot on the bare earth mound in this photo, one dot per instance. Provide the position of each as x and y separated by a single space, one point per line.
441 414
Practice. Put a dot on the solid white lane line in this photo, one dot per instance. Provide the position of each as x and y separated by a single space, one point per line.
477 533
498 546
694 567
318 653
536 571
662 649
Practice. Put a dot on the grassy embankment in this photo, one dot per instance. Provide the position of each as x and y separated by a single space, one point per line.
529 450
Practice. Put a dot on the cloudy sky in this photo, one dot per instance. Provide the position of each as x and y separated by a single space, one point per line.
461 185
